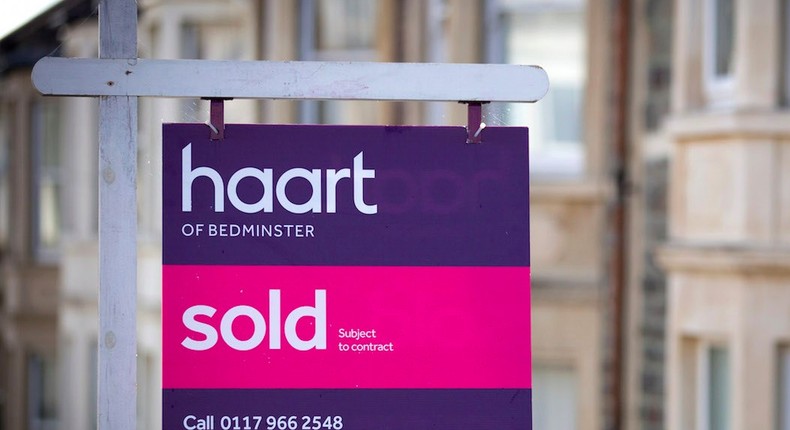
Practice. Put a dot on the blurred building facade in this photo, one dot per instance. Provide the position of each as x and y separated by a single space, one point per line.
707 315
728 256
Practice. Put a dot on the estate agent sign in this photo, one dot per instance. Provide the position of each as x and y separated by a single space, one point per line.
328 277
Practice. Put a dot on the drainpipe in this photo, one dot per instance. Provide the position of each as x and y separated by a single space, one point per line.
620 158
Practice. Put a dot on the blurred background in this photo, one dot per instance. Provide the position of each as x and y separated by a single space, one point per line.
660 192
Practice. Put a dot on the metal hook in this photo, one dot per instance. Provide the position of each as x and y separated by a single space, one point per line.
216 120
482 126
214 131
475 125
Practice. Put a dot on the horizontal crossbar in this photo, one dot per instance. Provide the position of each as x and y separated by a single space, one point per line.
290 80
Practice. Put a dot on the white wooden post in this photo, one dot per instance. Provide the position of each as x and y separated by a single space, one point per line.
117 390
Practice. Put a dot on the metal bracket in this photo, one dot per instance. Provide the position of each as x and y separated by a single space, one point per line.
216 120
474 122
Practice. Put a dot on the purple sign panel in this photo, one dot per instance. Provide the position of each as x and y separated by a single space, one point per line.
327 277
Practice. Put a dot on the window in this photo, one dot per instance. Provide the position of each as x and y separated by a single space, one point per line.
719 51
554 397
190 49
723 29
345 28
339 30
552 34
93 386
714 389
41 392
436 51
145 390
783 386
224 34
46 209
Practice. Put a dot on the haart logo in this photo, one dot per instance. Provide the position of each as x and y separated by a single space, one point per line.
272 187
209 333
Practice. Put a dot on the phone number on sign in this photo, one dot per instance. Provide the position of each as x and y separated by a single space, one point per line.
259 422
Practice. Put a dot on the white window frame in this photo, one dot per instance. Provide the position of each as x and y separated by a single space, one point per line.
569 370
41 253
551 166
719 89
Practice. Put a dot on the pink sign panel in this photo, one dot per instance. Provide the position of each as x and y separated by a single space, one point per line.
327 277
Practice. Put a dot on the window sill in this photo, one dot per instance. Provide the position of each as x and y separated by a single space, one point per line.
763 123
572 191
